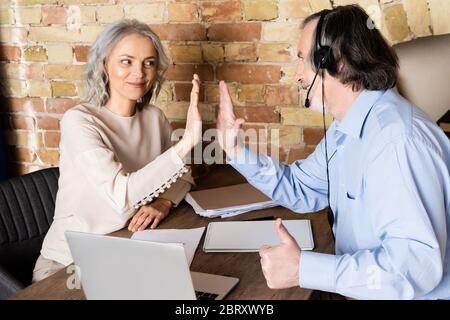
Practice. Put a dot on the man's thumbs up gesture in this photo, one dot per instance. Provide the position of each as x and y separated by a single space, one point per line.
280 263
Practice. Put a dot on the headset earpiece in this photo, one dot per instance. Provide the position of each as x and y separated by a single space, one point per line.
323 55
323 58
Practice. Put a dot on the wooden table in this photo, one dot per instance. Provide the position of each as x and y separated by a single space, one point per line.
245 266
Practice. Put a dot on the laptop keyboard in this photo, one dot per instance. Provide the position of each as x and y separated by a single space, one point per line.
205 295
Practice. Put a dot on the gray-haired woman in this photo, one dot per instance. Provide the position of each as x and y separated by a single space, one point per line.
117 162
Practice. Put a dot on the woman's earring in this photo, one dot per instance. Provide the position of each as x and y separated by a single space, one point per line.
139 100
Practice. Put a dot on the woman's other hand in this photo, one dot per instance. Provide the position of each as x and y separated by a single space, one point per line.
152 213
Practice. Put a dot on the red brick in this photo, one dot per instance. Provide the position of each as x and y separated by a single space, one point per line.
221 11
183 92
34 71
185 53
240 52
260 129
257 114
21 122
234 32
182 125
50 157
182 12
282 153
21 154
51 139
285 95
24 104
300 152
312 136
60 105
248 73
184 72
20 71
180 32
81 53
47 123
264 146
54 15
9 53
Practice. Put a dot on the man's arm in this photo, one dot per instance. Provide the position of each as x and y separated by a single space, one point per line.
405 202
301 186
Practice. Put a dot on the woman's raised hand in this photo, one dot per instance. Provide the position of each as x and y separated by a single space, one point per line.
193 133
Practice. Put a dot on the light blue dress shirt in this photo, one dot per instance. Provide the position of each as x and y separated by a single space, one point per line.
390 193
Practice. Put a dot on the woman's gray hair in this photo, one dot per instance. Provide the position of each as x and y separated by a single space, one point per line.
96 78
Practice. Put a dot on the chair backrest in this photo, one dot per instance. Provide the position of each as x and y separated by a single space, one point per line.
27 205
424 73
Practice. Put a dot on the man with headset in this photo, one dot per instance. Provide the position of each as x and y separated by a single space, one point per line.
383 168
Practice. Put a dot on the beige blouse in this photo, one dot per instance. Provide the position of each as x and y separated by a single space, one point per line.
110 166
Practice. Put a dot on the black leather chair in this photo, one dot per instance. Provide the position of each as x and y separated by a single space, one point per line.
27 205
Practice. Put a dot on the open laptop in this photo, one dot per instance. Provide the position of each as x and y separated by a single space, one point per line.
119 268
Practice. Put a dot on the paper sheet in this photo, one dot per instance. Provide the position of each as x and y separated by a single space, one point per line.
228 211
188 237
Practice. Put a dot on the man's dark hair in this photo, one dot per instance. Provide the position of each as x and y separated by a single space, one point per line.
368 62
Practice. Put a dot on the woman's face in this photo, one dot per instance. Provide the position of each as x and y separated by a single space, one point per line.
131 67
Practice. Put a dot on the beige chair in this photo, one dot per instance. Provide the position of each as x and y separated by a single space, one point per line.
424 77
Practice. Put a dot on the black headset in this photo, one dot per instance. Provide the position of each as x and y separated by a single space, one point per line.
323 57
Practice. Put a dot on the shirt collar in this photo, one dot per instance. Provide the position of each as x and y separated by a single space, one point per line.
353 121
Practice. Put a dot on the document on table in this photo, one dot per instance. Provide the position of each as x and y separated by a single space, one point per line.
188 237
228 201
249 236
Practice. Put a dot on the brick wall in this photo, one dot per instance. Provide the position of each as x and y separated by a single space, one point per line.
249 43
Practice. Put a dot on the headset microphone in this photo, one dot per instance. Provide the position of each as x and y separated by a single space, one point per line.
307 103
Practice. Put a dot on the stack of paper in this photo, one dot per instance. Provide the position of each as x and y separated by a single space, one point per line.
228 201
249 236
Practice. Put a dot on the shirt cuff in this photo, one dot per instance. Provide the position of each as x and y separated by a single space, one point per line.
317 271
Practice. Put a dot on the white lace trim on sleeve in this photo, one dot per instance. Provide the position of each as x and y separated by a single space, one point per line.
161 189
